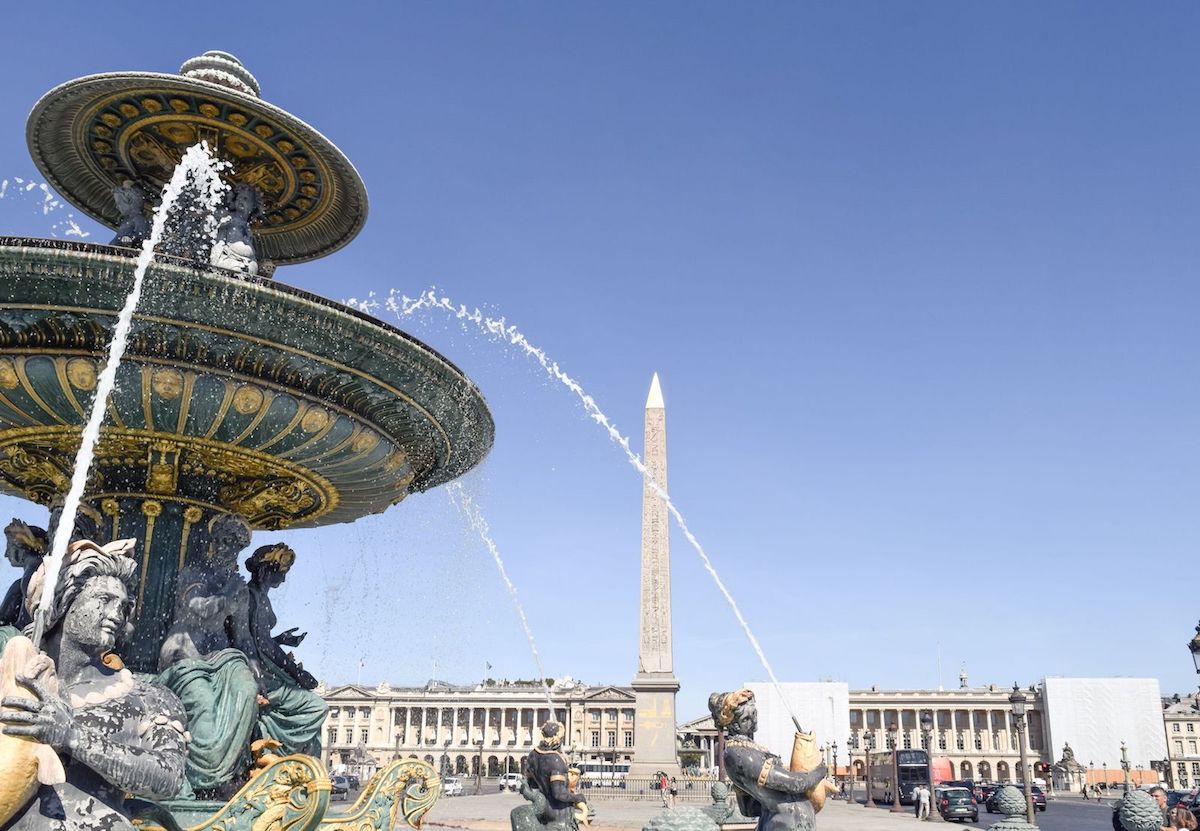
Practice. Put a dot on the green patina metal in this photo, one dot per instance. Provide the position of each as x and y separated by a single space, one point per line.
237 397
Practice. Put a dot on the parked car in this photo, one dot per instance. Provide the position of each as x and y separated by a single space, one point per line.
452 786
339 788
510 782
354 783
957 803
984 792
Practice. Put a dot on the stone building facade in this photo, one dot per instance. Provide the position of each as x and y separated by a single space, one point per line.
1181 722
459 728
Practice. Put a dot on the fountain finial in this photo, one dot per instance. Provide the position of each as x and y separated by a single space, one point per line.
222 68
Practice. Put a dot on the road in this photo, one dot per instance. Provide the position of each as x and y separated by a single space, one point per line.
1067 814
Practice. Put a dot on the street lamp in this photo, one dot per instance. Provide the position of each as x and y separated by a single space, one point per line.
1018 700
896 809
479 768
868 770
835 762
1194 647
926 733
1125 764
850 743
1105 763
1090 776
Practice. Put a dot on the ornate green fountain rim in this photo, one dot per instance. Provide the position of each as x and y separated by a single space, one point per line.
92 133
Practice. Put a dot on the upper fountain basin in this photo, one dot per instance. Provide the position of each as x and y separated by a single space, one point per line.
235 394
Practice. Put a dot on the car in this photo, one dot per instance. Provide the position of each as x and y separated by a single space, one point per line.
957 803
355 784
1039 797
339 788
452 786
984 792
510 782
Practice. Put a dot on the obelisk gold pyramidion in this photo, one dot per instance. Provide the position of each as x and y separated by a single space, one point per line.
655 684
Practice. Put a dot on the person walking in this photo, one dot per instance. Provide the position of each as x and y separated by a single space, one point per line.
922 802
673 791
663 789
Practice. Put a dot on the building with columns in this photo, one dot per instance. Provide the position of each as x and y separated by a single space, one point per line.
458 728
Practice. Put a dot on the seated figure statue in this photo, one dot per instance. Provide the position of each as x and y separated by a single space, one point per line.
115 734
764 786
292 715
26 547
199 663
552 802
134 227
234 247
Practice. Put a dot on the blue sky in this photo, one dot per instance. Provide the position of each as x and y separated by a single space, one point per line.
919 280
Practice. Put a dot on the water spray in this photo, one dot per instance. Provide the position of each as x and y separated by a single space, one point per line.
199 169
404 306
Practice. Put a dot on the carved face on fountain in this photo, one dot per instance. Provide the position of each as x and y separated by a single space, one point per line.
96 620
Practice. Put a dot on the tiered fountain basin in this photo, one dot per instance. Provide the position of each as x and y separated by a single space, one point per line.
236 395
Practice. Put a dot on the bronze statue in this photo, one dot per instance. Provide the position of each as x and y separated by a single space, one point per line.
201 663
765 788
116 734
293 715
26 547
553 804
134 227
234 248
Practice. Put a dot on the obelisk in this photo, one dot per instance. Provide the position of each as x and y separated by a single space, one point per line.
655 684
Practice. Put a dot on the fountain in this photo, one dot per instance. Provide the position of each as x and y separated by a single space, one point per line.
239 404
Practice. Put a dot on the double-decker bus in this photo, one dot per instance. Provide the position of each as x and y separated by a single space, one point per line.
914 770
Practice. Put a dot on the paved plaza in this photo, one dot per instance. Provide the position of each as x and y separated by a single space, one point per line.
489 812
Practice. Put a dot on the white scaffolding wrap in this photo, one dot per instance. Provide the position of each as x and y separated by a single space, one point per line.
822 707
1095 715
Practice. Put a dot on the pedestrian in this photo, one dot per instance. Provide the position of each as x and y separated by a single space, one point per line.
673 791
922 802
1168 818
663 789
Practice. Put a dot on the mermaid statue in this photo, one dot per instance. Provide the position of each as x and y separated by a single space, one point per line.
114 735
554 806
26 545
765 788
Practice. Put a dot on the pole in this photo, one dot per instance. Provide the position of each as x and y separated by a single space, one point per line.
896 808
479 770
1025 769
868 770
934 814
850 771
1125 764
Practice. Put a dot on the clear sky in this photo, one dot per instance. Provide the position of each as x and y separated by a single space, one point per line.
919 280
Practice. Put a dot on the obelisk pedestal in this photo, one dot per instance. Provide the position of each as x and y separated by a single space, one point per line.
655 684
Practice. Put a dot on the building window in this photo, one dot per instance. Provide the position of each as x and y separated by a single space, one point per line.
364 735
366 712
595 738
1196 768
349 736
612 738
1175 727
1192 747
627 714
1179 747
1191 727
978 742
594 715
942 743
333 713
961 746
907 742
924 742
629 738
333 736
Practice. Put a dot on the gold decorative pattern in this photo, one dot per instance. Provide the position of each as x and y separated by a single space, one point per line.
247 399
191 515
408 787
315 419
111 508
167 383
8 375
152 511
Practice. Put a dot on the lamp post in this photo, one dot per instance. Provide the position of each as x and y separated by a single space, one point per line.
835 762
896 809
1194 648
868 746
850 743
1090 775
1018 700
479 769
1125 764
1105 776
927 733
